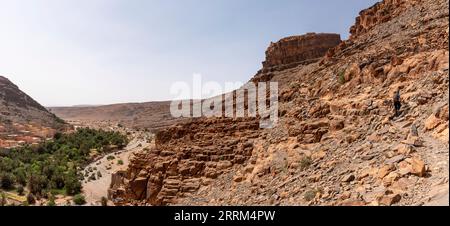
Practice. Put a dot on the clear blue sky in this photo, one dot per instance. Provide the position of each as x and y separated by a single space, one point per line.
70 52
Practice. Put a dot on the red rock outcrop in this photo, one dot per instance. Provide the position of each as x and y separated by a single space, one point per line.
381 12
292 51
186 157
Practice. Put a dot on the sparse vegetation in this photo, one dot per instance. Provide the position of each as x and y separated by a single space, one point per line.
79 200
341 77
20 190
2 199
305 162
51 201
110 158
295 85
310 195
120 162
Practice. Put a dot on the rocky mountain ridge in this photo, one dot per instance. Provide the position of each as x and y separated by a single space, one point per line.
337 142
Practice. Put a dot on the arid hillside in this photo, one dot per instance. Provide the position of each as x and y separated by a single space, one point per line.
337 142
152 115
22 119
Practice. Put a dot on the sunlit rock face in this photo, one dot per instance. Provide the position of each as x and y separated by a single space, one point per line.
295 50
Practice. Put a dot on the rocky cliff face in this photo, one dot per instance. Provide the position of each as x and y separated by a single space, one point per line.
293 51
337 142
187 157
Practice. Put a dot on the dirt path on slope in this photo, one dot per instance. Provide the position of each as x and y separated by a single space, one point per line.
436 155
432 190
94 190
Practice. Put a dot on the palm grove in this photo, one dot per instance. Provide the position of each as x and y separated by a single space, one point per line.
53 167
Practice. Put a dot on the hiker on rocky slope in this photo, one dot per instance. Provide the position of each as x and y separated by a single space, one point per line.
397 102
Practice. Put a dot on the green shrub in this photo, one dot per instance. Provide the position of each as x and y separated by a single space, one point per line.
7 180
21 176
305 162
36 183
79 200
3 199
341 77
120 162
295 85
20 190
310 195
110 158
51 201
72 184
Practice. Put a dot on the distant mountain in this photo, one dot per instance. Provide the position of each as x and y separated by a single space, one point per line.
149 115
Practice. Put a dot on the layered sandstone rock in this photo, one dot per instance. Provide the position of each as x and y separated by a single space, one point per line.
293 51
186 157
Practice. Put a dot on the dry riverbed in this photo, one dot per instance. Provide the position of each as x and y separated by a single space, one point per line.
102 169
